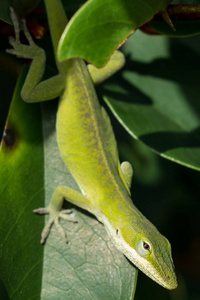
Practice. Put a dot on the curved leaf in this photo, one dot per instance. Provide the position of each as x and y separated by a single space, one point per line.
99 27
23 7
157 98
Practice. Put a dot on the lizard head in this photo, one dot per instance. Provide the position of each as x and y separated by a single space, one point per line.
140 241
148 250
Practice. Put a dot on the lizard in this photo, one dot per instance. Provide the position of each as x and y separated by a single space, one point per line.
88 148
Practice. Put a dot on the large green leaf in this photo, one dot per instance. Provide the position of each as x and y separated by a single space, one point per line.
157 98
99 27
89 266
21 189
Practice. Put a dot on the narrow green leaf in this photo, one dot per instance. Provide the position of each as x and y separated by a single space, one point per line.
21 188
99 27
157 99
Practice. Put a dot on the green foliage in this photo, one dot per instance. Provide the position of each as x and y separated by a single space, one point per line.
99 27
91 267
31 164
21 188
156 98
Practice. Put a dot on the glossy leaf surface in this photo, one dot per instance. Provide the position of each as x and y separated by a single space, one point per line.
21 188
99 27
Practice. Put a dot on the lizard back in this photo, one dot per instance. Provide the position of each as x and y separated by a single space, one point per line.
85 136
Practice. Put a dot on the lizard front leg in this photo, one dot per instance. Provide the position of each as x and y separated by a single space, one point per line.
126 172
55 209
34 90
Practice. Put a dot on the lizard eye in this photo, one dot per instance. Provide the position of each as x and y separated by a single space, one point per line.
143 248
146 246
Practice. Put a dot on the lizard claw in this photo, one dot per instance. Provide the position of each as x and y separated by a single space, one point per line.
55 216
21 50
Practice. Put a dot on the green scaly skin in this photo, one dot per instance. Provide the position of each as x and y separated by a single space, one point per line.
88 148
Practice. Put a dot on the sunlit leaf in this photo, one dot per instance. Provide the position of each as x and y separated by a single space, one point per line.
21 189
99 27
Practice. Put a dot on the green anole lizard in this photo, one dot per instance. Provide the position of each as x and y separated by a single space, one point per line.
88 148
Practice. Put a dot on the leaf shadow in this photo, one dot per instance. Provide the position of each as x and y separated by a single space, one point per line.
172 140
129 94
181 67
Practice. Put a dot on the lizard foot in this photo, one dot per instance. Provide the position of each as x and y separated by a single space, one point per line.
55 216
19 49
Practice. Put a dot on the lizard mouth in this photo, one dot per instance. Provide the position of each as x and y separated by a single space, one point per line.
169 282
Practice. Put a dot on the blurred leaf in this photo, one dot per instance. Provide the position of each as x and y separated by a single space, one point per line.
72 6
145 163
157 99
99 27
5 11
21 188
3 293
22 7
